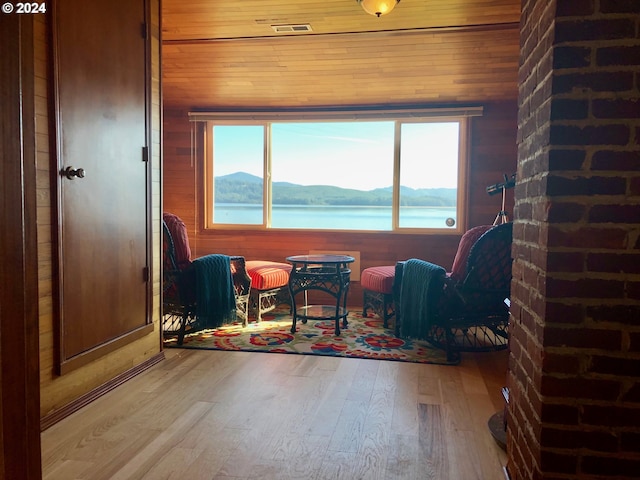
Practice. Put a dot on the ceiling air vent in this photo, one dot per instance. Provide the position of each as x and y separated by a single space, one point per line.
304 27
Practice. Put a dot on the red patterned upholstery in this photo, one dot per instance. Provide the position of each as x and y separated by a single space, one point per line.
377 289
459 268
269 286
378 279
266 275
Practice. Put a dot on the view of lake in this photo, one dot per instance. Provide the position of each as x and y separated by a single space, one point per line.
334 217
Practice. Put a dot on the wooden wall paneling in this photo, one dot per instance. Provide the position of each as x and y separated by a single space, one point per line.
412 67
44 171
221 54
179 171
493 154
155 44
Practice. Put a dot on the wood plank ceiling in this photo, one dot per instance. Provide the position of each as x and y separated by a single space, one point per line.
225 53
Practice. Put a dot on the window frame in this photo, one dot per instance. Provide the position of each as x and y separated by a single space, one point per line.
422 115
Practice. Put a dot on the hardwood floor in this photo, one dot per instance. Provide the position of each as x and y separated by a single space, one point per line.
238 415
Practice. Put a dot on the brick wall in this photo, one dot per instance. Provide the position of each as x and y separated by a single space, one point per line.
574 375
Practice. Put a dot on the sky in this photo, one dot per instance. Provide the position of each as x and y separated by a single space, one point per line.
346 154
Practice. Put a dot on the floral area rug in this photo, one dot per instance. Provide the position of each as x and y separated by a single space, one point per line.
362 338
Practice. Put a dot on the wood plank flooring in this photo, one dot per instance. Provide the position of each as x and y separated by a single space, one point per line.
238 415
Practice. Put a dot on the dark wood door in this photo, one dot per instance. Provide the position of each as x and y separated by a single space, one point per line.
100 77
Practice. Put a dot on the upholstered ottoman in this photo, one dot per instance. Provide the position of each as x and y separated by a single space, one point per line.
377 285
269 286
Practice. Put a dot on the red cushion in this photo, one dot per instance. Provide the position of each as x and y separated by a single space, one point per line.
471 236
378 279
266 275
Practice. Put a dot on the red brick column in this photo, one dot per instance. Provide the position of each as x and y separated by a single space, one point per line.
574 377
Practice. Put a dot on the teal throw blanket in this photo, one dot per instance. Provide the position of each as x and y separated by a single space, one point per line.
215 295
420 293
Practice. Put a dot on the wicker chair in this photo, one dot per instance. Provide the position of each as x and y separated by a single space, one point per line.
180 312
467 309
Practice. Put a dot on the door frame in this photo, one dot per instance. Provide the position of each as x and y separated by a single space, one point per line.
19 342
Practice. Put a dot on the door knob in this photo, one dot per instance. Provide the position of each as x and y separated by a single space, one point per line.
70 173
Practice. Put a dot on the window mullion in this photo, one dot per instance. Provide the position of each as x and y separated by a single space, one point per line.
267 200
464 140
395 210
208 166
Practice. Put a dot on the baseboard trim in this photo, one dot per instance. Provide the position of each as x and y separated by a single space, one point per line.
72 407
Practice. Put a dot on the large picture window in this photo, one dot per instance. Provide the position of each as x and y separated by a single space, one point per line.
366 174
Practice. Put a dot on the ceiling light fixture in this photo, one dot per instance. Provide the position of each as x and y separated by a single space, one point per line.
378 7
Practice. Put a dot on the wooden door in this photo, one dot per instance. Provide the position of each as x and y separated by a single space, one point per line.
100 77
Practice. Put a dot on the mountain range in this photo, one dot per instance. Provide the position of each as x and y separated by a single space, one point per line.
242 187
